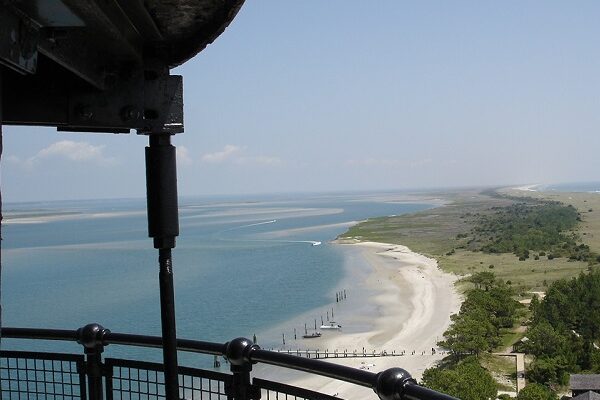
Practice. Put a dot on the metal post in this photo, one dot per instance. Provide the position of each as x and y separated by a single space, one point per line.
91 337
163 226
0 211
238 352
167 317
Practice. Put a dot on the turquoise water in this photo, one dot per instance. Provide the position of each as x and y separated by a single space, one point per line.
242 265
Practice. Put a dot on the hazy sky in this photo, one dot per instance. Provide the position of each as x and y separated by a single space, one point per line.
358 95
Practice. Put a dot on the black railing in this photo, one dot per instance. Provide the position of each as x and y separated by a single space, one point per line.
28 375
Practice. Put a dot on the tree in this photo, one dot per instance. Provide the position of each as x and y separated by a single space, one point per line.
544 341
466 381
470 333
535 391
483 280
550 370
535 303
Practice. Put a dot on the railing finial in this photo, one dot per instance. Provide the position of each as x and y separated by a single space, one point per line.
91 337
390 384
238 351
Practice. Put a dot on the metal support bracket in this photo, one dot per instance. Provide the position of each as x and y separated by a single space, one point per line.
140 101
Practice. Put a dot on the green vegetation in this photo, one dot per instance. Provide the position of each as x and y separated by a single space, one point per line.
564 330
588 228
481 230
466 380
509 246
432 232
486 309
477 328
535 391
527 226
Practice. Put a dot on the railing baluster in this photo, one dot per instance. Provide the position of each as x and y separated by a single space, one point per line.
91 337
81 373
238 352
108 381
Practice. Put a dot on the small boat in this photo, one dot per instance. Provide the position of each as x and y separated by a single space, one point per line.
312 335
316 243
332 325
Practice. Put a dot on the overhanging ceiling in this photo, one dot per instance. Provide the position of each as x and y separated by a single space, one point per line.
102 65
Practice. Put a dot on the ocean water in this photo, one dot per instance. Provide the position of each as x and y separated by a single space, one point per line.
242 265
588 187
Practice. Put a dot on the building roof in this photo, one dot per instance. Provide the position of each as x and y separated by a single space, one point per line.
587 396
584 382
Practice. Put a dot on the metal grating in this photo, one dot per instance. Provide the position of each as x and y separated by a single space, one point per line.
136 380
278 391
56 376
43 376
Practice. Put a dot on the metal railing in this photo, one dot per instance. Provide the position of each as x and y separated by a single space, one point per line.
37 375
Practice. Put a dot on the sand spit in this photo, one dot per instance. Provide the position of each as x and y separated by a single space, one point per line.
414 300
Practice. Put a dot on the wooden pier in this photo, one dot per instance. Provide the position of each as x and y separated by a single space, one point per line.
321 354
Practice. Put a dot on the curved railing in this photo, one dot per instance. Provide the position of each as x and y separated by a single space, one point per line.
391 384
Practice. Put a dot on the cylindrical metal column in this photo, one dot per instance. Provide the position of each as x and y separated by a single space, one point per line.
161 191
167 317
163 226
0 209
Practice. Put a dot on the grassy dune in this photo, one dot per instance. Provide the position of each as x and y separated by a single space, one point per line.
588 204
437 233
432 232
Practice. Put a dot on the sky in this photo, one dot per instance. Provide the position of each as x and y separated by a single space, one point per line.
346 95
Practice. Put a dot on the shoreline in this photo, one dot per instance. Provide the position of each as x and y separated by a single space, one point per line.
410 308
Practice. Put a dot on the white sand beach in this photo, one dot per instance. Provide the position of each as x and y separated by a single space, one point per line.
413 302
527 188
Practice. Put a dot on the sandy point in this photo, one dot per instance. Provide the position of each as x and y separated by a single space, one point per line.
414 300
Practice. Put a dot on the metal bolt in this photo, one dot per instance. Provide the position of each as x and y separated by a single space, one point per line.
85 112
129 113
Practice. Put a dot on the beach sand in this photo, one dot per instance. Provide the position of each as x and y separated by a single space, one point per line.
411 306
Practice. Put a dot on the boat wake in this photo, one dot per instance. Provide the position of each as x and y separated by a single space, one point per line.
235 228
255 224
311 242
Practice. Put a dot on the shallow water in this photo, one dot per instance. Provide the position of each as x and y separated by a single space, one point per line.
242 266
588 187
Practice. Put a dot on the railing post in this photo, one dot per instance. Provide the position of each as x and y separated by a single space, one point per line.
238 353
91 337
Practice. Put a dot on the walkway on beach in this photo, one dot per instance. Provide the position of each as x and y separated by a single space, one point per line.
519 366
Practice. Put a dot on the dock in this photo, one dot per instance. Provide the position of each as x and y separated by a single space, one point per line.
322 354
